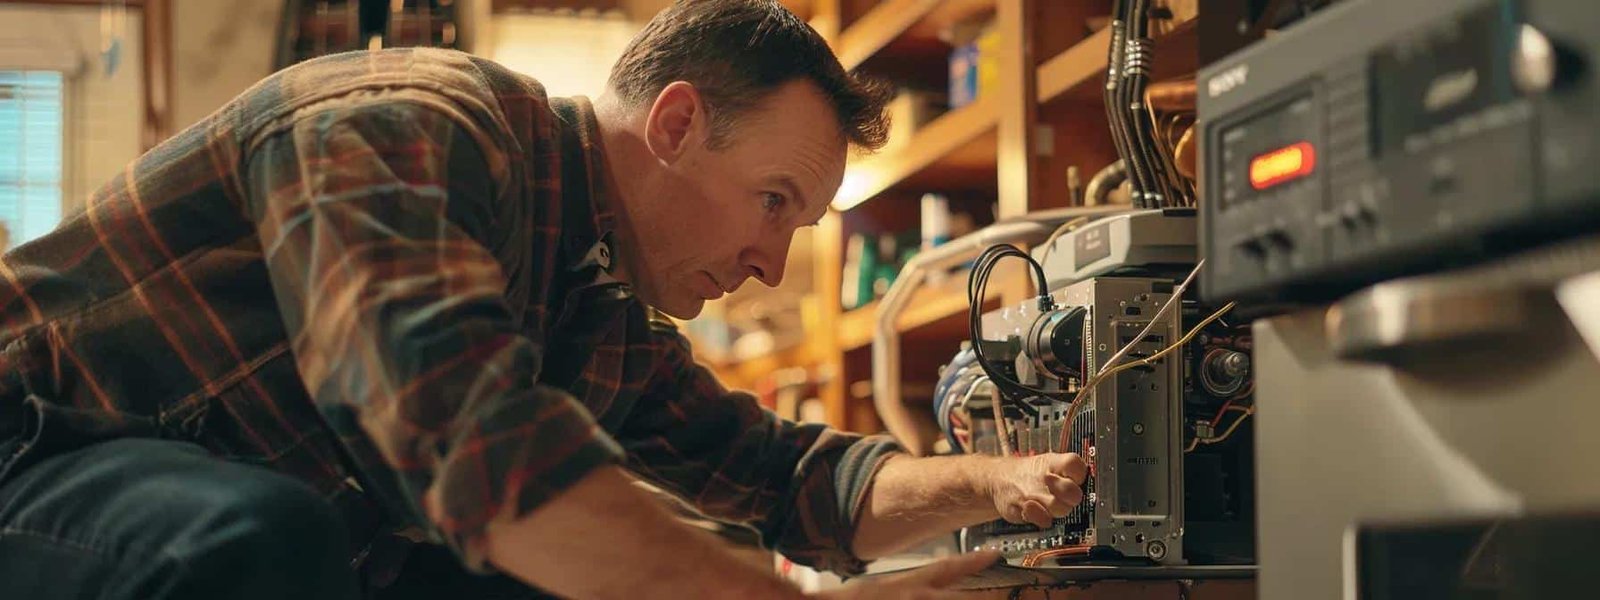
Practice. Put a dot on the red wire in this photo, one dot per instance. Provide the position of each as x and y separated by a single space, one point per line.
1218 419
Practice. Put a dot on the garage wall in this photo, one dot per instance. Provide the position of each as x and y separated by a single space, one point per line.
103 110
219 49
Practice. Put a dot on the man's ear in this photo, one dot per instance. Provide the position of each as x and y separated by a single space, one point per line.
677 121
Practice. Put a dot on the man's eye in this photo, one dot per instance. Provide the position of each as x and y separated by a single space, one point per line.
771 201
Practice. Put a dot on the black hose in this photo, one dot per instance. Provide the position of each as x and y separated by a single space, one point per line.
1131 65
1147 164
1115 59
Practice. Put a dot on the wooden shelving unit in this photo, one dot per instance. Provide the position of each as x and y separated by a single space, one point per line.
902 29
930 306
745 374
1012 147
956 150
1080 71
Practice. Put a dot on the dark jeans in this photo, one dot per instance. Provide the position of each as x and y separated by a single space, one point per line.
151 519
138 518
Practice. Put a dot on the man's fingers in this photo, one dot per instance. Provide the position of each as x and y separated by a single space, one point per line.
1035 512
950 570
1066 491
1070 466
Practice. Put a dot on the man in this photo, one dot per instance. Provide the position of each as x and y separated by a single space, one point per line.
404 292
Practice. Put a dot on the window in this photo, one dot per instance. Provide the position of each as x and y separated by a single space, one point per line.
562 50
31 133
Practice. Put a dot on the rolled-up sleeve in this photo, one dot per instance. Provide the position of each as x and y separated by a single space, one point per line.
376 220
800 485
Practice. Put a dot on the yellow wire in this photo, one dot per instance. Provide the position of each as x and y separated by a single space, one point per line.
1083 391
1225 434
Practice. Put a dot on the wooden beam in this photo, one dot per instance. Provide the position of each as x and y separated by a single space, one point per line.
158 85
95 3
1018 172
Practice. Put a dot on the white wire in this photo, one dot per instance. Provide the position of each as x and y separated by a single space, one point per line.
1177 296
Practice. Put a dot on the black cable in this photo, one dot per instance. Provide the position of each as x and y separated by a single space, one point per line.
1158 169
1134 72
1112 97
977 286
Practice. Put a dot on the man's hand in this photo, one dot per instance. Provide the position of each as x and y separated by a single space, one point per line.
913 499
927 583
1037 489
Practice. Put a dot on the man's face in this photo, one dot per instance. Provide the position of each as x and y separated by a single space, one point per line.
720 216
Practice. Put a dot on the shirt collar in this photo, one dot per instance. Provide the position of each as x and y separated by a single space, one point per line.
588 217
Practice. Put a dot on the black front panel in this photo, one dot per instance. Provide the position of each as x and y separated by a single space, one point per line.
1440 75
1428 153
1267 181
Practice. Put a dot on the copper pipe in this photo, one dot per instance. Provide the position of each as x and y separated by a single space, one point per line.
1172 96
1033 560
1184 156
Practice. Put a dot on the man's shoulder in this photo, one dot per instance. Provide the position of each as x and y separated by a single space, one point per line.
421 67
478 90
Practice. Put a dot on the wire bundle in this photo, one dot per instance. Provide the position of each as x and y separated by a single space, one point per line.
959 380
977 287
1134 130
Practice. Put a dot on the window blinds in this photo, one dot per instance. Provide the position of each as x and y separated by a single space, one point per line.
31 134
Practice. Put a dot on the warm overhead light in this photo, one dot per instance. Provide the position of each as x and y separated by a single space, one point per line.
852 191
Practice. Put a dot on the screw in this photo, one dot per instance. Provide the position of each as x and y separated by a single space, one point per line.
1138 428
1156 550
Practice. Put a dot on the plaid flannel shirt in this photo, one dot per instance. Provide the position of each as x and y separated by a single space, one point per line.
386 273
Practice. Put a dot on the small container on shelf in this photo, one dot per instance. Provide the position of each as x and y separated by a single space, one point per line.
974 65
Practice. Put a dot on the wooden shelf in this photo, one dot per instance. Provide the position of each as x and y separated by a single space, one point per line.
745 373
931 313
1080 71
954 152
905 26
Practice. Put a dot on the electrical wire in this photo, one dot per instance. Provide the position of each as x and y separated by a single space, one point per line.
1112 96
1111 368
1248 411
961 407
1130 64
1002 431
1153 170
1225 406
1095 381
977 286
1050 242
1173 300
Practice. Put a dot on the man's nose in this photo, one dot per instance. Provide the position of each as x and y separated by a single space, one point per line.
766 259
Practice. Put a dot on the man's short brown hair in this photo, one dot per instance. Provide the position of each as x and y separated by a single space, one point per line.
736 52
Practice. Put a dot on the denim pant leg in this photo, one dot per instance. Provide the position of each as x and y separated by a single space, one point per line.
140 518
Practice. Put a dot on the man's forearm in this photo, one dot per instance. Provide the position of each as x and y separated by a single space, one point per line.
605 538
912 499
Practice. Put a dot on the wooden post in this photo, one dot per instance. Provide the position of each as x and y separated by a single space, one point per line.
157 46
1018 119
828 252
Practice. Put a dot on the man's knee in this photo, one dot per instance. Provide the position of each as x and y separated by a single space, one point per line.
259 525
169 520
